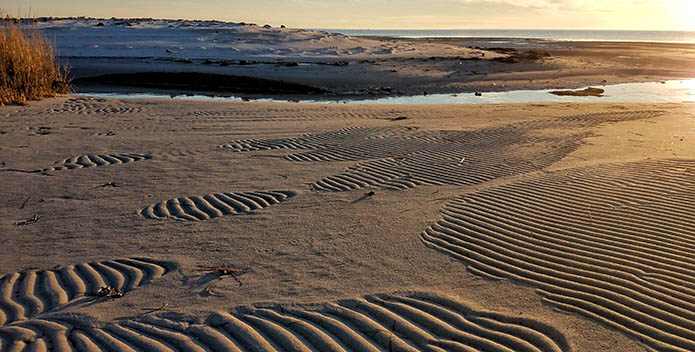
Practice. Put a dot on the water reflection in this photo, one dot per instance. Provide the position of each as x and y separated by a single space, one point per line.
666 91
690 85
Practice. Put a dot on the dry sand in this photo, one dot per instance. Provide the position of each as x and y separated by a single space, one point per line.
511 227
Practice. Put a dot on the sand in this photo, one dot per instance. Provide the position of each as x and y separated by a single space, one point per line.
511 227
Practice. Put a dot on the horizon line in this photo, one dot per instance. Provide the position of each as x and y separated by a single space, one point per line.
354 29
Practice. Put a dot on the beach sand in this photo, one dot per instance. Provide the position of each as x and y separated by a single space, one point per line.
514 227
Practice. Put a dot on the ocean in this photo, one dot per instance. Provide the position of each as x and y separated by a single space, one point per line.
560 35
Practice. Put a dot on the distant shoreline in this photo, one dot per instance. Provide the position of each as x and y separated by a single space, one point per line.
340 65
571 65
561 35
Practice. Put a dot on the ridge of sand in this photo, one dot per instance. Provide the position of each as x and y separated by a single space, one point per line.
214 205
398 159
96 160
611 242
28 294
403 322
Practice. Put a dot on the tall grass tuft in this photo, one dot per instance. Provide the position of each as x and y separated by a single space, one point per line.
28 67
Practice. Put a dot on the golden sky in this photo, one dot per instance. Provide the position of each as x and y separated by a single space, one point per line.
390 14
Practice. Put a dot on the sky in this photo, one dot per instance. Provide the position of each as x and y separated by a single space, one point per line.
389 14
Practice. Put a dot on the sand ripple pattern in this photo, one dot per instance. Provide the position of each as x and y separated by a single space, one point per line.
294 114
213 205
321 140
614 243
93 106
96 160
458 157
29 294
409 322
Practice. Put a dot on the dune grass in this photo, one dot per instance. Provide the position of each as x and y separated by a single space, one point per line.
28 67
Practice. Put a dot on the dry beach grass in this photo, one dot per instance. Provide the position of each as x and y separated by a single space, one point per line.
28 68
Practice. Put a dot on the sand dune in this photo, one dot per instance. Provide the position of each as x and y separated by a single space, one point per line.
29 294
612 242
165 41
214 205
394 322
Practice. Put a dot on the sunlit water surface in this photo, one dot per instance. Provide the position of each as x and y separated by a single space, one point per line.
667 91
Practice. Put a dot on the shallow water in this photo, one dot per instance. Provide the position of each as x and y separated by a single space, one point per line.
667 91
506 35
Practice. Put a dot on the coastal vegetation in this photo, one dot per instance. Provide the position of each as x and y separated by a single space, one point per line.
28 67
